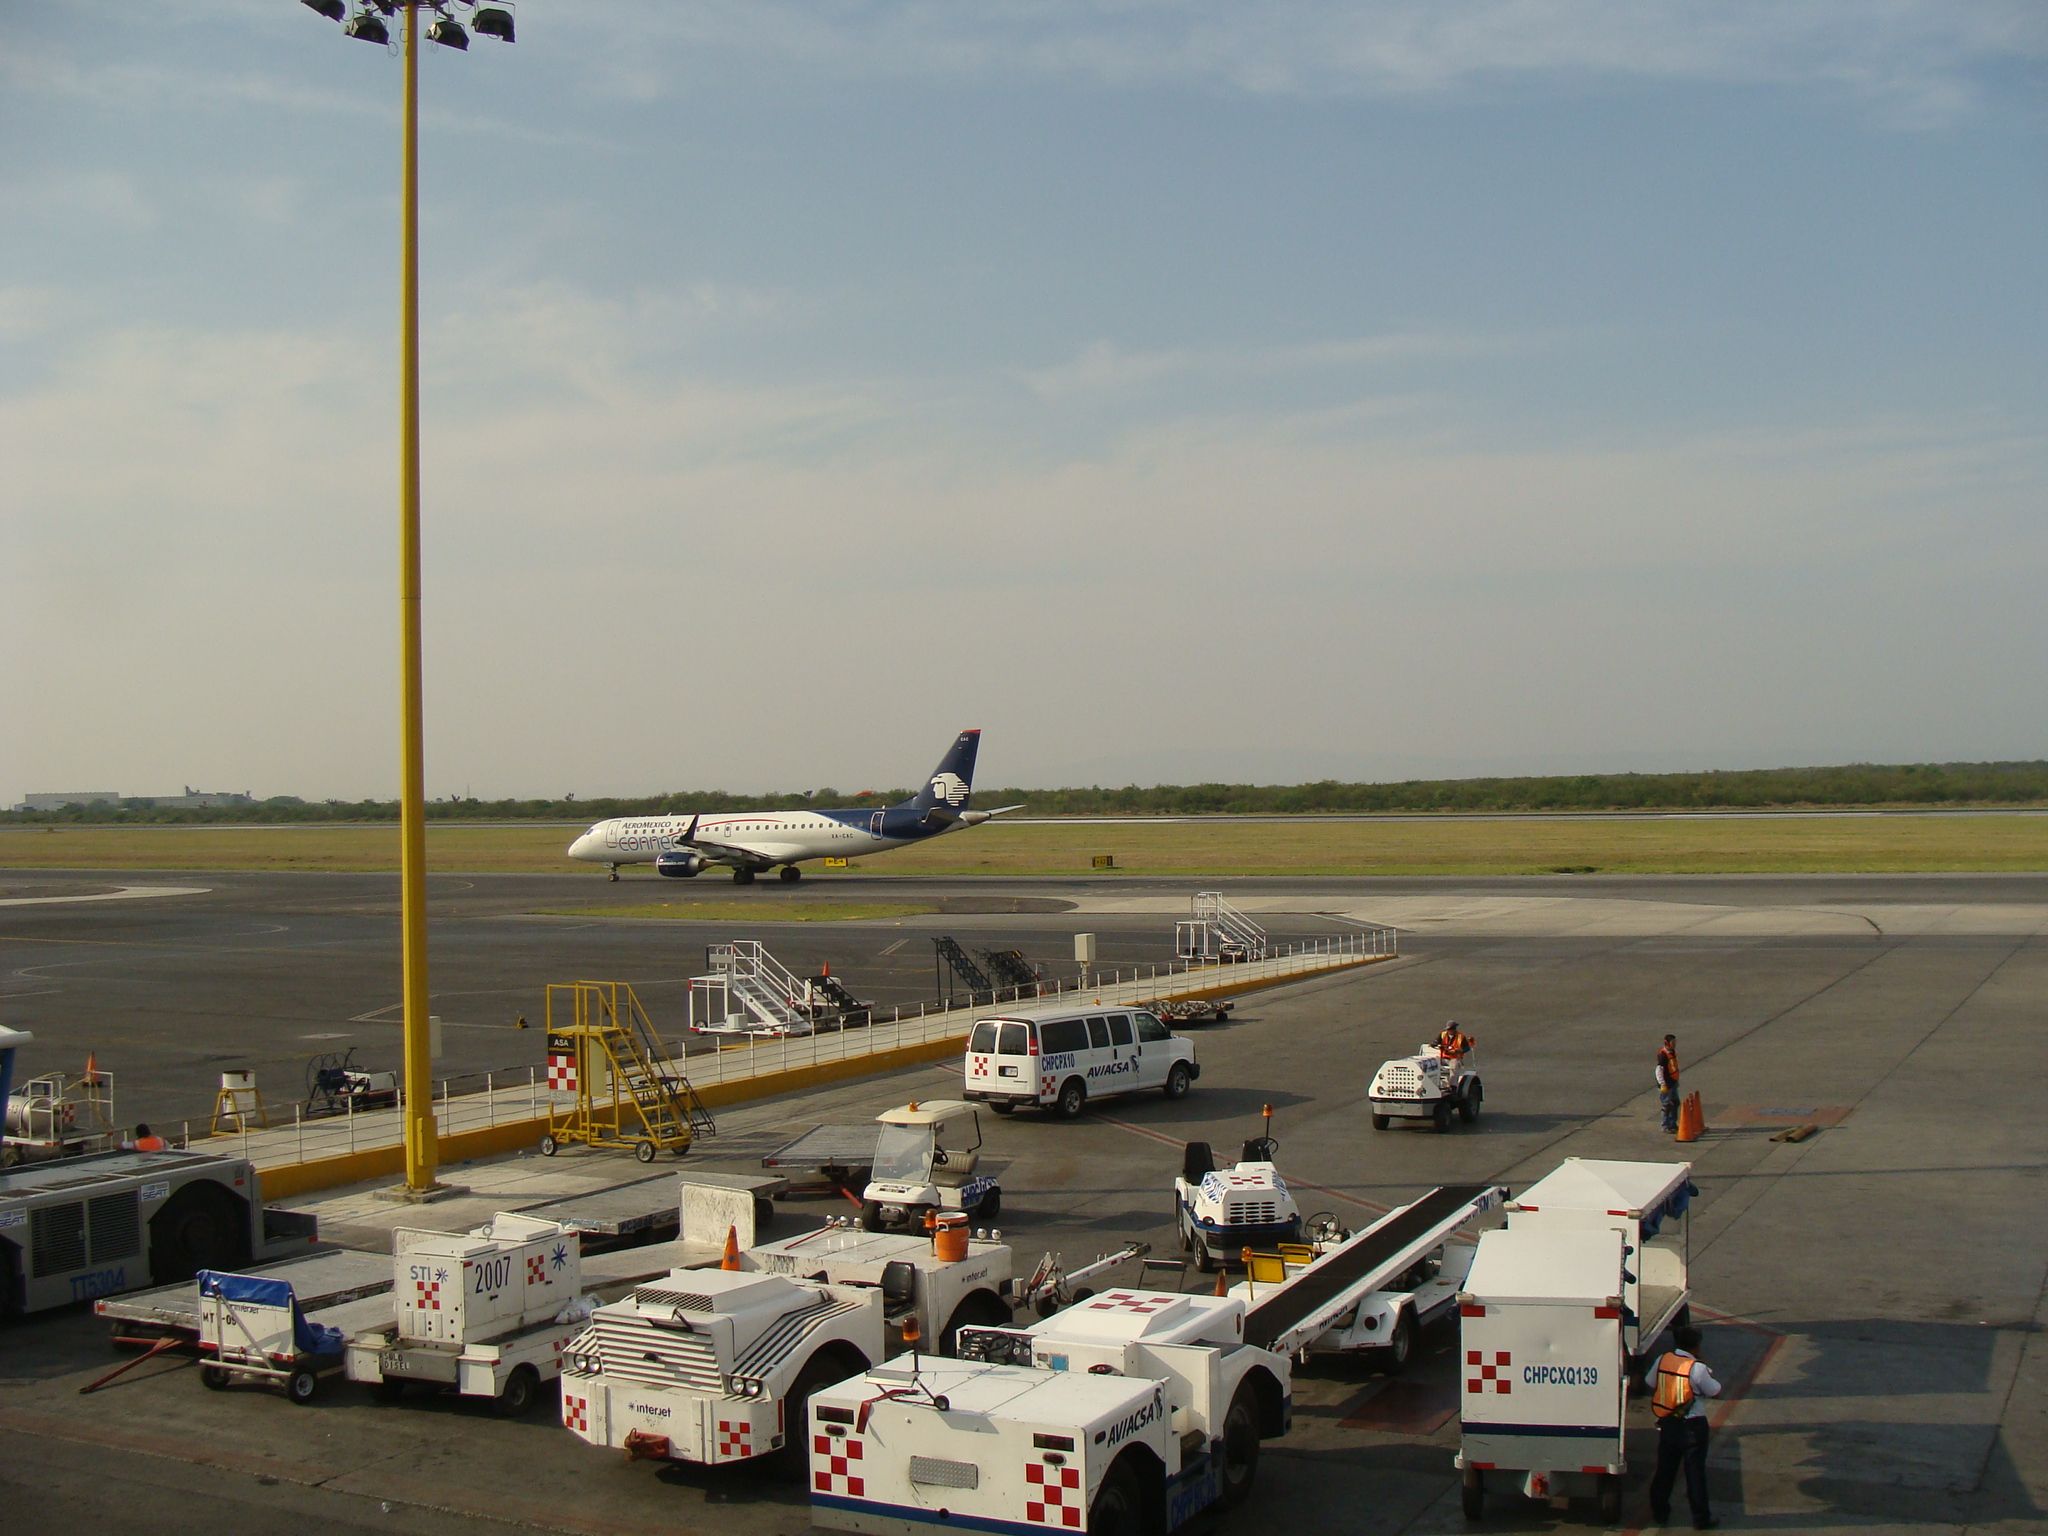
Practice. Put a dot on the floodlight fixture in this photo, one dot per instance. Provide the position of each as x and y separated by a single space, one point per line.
491 21
368 27
449 33
333 10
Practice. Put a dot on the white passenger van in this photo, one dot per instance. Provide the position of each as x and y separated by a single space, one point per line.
1067 1059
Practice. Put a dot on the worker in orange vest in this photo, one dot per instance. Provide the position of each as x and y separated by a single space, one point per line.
1452 1043
147 1140
1667 1083
1682 1384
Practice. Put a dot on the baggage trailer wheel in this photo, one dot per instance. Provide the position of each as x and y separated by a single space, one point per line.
213 1378
1473 1494
301 1386
549 1146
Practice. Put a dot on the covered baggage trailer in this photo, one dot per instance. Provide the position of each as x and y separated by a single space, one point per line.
1647 1204
319 1280
1544 1384
252 1328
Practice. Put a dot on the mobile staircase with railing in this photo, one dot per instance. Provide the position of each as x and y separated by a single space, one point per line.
959 972
604 1048
1009 968
747 991
833 1002
1216 933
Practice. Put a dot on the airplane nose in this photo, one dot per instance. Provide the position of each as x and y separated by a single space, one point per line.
580 849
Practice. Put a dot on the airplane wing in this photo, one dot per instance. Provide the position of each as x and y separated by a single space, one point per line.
716 852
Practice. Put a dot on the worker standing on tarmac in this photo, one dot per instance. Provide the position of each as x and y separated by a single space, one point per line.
1452 1043
1683 1382
1667 1083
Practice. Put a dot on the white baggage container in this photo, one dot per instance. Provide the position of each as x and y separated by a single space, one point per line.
467 1288
1646 1203
1544 1384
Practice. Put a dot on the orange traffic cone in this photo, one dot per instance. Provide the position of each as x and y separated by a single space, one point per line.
1691 1122
731 1260
1222 1282
92 1067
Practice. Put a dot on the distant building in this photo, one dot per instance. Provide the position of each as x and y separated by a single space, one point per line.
56 800
196 799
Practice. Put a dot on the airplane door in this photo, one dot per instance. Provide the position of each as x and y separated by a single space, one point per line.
875 824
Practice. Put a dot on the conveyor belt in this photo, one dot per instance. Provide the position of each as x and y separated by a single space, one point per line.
1287 1305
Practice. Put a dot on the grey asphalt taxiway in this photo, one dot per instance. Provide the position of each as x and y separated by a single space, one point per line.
1873 1295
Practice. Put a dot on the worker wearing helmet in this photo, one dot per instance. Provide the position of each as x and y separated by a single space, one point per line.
1452 1043
1682 1384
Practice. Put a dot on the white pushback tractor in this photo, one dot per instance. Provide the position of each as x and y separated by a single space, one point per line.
1543 1390
718 1365
1130 1412
485 1314
1426 1086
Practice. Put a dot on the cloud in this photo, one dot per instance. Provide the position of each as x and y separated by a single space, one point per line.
1102 368
1917 57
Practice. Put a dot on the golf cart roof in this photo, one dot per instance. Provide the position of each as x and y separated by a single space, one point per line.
926 1112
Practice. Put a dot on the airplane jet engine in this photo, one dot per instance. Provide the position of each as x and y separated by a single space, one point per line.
681 866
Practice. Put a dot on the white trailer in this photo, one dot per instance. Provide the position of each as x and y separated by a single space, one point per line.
485 1314
1647 1204
716 1365
252 1328
1372 1294
1130 1412
1544 1372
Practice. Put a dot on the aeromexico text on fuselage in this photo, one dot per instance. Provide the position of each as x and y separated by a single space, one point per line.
747 842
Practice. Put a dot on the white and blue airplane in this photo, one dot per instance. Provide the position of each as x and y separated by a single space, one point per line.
750 842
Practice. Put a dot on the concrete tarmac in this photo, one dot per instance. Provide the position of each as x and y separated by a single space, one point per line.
1873 1296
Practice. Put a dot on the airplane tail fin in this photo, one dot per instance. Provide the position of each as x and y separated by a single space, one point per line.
946 791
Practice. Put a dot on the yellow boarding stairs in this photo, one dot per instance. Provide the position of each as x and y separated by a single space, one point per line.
602 1045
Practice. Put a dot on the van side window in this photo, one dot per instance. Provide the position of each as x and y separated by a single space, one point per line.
1059 1036
1150 1029
983 1040
1016 1040
1119 1029
1098 1033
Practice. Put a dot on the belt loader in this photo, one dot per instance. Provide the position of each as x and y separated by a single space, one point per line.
486 1314
1372 1294
719 1365
1130 1412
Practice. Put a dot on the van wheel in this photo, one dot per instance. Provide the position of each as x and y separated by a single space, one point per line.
1072 1100
1468 1106
1002 1108
1177 1081
1240 1447
1381 1122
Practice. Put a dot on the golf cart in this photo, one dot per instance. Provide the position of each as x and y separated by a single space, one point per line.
925 1161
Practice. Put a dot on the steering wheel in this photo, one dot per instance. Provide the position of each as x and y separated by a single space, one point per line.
1324 1228
939 1158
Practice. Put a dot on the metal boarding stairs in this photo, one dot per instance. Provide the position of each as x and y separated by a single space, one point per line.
1215 931
649 1104
1010 968
749 992
829 992
958 969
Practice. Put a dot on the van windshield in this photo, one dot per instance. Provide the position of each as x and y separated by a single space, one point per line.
903 1154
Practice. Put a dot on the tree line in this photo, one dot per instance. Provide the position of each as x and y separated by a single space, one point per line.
1910 785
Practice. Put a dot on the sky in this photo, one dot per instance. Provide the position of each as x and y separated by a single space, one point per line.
1176 389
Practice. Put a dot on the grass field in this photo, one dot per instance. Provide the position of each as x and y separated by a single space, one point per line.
1451 846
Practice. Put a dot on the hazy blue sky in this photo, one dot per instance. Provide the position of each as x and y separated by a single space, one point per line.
1175 390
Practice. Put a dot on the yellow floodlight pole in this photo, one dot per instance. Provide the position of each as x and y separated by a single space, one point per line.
421 1148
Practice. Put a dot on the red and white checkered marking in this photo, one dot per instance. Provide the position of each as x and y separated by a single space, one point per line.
837 1456
429 1295
562 1074
734 1440
1244 1181
1484 1371
978 1067
536 1269
1045 1497
1128 1301
1045 1087
576 1413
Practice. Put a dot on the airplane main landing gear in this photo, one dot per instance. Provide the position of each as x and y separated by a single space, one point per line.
615 874
791 874
743 877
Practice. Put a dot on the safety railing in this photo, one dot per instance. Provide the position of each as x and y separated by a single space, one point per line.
517 1096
